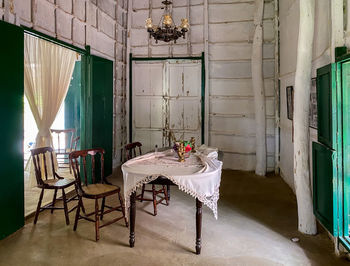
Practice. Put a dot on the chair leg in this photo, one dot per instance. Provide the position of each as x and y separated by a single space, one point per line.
65 206
82 207
154 200
166 195
54 200
97 222
143 192
77 214
39 206
103 207
123 209
81 204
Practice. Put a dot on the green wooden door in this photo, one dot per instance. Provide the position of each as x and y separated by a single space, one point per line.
345 81
11 140
325 186
72 101
326 105
97 100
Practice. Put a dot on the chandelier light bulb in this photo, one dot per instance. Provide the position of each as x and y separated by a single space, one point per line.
149 24
184 23
167 21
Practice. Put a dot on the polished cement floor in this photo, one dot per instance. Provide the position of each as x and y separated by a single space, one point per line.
257 219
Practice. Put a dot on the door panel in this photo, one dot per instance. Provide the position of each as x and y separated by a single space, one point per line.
149 138
185 98
325 186
72 101
192 80
11 141
97 107
167 97
192 115
148 104
326 99
176 80
142 113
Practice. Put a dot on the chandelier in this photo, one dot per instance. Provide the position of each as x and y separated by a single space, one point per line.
166 30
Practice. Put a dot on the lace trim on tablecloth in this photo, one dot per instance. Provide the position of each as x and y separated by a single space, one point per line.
210 202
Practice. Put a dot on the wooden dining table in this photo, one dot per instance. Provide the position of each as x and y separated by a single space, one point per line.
165 181
207 175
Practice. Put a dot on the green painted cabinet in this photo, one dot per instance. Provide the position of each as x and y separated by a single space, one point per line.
11 140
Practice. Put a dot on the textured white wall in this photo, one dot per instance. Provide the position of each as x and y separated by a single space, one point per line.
231 103
289 28
98 23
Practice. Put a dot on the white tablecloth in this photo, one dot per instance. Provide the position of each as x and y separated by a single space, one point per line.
199 175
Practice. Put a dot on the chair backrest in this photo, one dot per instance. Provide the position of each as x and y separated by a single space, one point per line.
75 143
40 157
130 150
68 135
79 161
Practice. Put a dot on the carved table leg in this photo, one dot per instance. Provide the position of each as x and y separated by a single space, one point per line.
168 190
132 219
198 226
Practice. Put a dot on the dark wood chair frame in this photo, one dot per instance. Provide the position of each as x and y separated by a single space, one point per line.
130 150
62 153
39 159
76 164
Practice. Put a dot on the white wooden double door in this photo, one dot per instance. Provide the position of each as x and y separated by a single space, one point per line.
166 95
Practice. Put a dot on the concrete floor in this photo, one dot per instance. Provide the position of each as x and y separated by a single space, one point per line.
257 218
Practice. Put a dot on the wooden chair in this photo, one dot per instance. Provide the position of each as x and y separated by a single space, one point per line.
93 189
131 152
62 151
40 157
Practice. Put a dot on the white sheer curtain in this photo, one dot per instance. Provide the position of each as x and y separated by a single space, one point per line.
48 70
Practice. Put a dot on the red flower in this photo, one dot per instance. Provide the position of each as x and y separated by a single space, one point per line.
188 148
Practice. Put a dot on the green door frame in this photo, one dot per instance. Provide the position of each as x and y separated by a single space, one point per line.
131 59
343 181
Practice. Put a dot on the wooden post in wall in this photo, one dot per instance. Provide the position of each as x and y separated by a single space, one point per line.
306 218
258 89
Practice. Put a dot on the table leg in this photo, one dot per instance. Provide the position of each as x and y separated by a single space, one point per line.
198 226
132 219
168 190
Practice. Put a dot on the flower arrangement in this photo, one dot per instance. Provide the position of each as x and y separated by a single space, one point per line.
182 147
187 146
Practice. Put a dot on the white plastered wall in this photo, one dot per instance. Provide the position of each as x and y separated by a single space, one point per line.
101 24
325 40
230 106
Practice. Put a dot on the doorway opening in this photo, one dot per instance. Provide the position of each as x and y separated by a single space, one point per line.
67 118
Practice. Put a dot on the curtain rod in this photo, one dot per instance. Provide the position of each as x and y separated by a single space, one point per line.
41 35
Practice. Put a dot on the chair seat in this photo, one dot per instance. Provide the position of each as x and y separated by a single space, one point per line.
59 183
99 189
